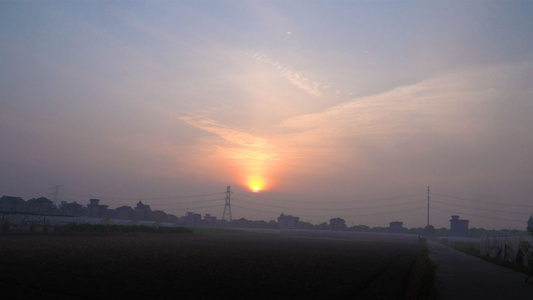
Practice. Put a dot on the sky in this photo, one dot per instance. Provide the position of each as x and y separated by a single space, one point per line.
346 109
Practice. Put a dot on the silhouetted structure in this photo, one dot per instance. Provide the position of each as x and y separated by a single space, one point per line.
287 221
142 211
209 219
458 227
72 209
9 203
192 218
396 226
96 210
41 205
337 224
124 213
530 223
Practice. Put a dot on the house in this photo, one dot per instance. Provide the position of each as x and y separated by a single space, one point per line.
124 213
192 218
209 219
396 226
458 227
141 211
71 209
96 210
287 221
40 205
9 203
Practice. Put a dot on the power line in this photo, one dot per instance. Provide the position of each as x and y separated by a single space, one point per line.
480 201
479 216
192 208
190 202
480 208
328 216
329 201
144 198
334 209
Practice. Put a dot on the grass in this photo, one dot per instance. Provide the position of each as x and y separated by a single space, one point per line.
421 279
472 248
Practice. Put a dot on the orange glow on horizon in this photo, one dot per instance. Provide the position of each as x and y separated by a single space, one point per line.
255 184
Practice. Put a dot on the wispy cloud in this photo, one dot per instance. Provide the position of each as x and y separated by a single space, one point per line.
230 134
301 82
243 147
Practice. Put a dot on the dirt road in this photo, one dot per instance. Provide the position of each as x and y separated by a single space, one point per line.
461 276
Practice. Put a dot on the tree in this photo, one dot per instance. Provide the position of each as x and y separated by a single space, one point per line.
323 226
429 231
337 224
305 225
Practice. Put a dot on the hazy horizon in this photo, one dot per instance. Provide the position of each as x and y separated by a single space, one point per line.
332 109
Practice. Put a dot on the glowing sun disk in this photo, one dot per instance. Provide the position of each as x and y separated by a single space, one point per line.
255 185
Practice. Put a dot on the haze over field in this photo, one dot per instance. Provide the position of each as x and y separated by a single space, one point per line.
331 109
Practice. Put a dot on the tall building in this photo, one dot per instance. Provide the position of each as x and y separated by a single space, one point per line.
458 227
141 211
396 226
96 210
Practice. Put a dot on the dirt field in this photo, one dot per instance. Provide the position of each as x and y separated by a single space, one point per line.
177 267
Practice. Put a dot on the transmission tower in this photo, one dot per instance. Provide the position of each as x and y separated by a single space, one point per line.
227 206
56 190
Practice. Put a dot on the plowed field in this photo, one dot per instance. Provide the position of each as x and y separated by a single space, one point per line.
196 267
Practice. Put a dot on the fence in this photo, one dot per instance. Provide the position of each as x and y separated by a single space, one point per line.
505 248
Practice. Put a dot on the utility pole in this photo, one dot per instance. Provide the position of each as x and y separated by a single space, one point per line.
227 206
428 206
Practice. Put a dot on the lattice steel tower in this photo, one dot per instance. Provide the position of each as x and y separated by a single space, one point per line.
227 206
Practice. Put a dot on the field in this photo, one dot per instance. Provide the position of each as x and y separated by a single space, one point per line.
148 266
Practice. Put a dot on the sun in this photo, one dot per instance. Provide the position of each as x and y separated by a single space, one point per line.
255 184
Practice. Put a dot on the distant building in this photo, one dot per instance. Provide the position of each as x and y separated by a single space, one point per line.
458 227
209 219
40 205
71 209
337 224
9 203
396 227
287 221
96 210
142 211
124 213
530 223
192 218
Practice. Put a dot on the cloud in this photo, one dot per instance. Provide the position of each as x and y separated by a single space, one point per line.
453 103
303 83
468 125
229 134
